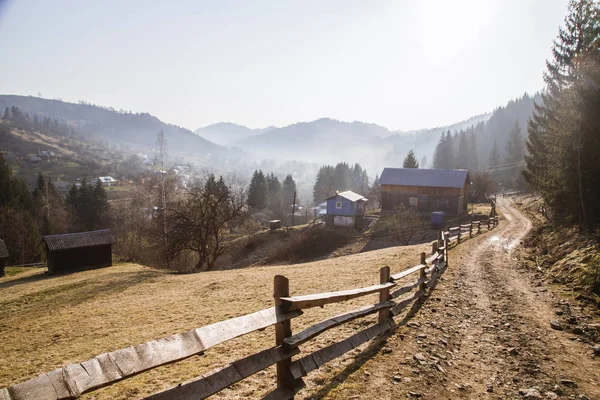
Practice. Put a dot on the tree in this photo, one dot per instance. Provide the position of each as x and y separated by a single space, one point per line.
443 157
375 192
289 187
515 147
562 145
257 192
18 226
410 161
463 158
494 158
200 218
87 207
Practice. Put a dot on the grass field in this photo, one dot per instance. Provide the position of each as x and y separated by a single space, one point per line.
47 322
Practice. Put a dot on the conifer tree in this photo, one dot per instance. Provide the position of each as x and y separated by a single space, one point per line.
410 161
257 192
494 158
562 133
515 146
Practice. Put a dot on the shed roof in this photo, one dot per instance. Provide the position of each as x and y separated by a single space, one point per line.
80 239
446 178
3 250
350 195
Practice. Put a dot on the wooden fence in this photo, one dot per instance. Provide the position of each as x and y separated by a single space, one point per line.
73 380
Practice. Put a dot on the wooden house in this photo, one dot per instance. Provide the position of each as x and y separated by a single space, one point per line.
3 256
426 190
75 251
345 209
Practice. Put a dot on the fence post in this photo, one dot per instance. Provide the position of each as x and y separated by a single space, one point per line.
478 227
282 330
459 231
471 230
490 222
422 275
384 295
446 258
434 247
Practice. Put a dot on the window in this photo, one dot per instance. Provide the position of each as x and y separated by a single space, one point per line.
338 204
413 201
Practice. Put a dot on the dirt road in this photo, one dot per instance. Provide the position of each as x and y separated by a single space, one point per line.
484 333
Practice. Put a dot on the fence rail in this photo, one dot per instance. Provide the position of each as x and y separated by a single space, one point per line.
73 380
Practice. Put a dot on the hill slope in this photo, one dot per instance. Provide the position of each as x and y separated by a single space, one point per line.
136 130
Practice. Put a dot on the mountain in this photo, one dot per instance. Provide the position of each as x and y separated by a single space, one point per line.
324 141
137 131
226 133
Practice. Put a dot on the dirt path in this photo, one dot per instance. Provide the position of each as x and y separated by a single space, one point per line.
484 333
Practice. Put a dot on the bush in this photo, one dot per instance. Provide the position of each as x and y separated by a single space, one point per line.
591 275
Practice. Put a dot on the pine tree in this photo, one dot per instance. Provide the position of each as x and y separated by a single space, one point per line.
438 153
289 187
494 158
515 146
463 154
257 192
410 161
562 131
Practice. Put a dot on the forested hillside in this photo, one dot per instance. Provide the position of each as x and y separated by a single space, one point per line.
138 131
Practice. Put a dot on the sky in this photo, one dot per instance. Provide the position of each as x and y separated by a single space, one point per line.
402 64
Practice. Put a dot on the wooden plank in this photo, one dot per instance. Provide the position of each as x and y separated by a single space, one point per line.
320 299
310 362
317 329
110 367
408 272
465 226
405 289
431 258
397 309
454 229
220 378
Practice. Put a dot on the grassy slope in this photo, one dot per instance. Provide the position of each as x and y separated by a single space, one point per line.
46 322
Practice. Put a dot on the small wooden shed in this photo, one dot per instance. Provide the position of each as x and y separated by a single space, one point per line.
426 190
3 256
75 251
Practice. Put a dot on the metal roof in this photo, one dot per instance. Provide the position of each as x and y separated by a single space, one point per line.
350 195
80 239
446 178
3 250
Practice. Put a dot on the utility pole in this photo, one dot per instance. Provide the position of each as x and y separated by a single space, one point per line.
294 208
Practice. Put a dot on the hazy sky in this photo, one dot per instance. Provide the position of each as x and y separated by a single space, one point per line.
401 64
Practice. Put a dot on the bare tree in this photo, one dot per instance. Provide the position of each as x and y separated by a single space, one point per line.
200 219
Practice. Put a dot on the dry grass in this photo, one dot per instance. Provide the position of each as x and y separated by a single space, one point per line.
47 322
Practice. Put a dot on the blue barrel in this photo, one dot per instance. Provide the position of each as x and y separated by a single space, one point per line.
437 219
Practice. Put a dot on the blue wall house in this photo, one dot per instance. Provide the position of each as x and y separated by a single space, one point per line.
346 209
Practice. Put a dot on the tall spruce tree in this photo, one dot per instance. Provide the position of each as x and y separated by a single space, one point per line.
410 161
494 158
562 160
515 147
257 192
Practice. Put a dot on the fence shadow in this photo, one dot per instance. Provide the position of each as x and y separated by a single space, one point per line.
367 354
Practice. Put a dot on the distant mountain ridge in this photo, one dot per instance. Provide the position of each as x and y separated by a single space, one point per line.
138 130
226 133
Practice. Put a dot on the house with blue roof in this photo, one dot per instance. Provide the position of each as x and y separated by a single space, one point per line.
425 190
345 208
